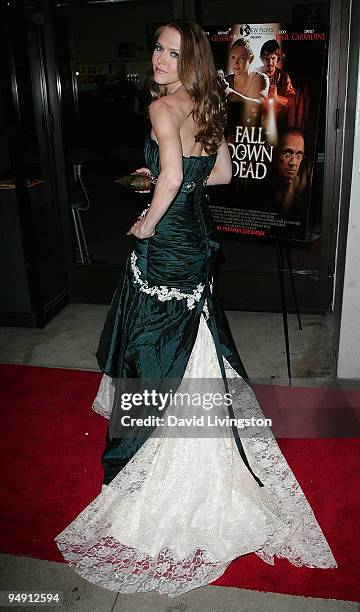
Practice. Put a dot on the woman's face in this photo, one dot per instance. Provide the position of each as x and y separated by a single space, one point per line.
165 58
239 61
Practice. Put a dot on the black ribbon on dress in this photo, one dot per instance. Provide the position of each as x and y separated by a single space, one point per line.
213 245
215 334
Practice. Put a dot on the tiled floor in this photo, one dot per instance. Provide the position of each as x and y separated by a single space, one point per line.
70 341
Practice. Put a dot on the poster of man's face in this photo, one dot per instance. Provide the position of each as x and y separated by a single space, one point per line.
269 60
272 74
290 155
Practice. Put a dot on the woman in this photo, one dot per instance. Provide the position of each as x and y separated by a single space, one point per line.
244 84
245 89
183 507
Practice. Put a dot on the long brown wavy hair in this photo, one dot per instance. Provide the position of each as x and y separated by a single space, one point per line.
198 75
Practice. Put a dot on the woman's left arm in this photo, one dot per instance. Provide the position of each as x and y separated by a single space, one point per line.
221 173
166 123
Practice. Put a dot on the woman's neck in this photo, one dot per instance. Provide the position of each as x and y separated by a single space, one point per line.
171 89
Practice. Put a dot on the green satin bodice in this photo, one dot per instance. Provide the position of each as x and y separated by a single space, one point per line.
177 255
164 288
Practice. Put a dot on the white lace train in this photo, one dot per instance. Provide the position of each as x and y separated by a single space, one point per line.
183 508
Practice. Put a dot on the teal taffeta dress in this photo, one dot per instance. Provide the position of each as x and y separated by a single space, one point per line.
178 509
165 288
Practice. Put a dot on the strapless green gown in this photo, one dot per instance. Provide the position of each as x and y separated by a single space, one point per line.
164 289
182 508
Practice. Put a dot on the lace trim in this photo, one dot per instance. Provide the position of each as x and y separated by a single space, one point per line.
164 293
143 214
104 399
206 311
133 571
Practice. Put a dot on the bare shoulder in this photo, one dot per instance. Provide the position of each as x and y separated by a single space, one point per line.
165 122
170 119
164 107
158 105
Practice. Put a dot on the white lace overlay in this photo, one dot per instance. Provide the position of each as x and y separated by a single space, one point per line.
164 293
183 508
104 398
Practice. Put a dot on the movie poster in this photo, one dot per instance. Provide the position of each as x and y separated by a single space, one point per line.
272 75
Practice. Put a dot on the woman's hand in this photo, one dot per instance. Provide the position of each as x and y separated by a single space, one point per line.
141 230
147 172
223 82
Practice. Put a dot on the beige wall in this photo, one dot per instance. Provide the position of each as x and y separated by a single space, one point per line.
349 342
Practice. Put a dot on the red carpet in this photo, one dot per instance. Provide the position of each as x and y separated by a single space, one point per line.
51 447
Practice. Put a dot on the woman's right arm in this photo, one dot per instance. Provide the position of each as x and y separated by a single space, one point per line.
221 174
166 125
